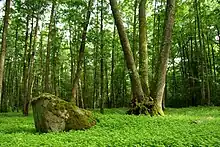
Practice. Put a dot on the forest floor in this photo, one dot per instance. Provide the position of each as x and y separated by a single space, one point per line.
199 126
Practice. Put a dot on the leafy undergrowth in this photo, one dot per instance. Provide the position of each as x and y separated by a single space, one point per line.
198 126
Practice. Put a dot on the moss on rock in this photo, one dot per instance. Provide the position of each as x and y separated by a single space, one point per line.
52 114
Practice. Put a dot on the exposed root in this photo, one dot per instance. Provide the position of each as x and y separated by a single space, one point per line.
146 107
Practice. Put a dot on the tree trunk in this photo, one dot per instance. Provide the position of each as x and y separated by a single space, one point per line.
138 94
102 62
143 53
41 61
134 46
160 77
141 103
49 41
112 95
16 67
81 51
3 45
71 54
25 71
30 67
95 55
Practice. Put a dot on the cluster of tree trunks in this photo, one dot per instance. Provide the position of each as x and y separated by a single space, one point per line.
144 101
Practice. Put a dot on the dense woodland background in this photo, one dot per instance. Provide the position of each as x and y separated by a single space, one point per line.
44 39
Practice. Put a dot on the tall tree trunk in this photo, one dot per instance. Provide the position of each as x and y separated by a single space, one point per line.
81 51
49 42
16 67
102 61
106 81
139 98
41 61
54 59
112 95
143 53
95 55
134 46
31 66
160 77
138 94
154 40
71 54
201 59
27 72
4 46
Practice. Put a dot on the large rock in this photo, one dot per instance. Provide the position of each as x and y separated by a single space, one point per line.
52 114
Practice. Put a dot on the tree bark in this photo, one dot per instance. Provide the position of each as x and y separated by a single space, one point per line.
27 73
112 93
138 94
140 102
49 41
143 53
81 51
30 69
134 46
160 77
4 45
102 61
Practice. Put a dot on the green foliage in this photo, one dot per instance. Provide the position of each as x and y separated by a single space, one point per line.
181 127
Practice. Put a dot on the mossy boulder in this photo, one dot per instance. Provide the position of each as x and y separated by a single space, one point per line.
52 114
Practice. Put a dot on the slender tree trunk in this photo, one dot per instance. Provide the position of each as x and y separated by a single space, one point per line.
174 77
201 60
134 46
31 66
160 77
106 81
95 55
3 45
81 51
102 61
16 67
49 42
112 95
143 53
55 47
84 87
138 94
154 40
71 55
41 61
27 73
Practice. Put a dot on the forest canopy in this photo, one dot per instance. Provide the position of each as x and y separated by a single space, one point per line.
74 50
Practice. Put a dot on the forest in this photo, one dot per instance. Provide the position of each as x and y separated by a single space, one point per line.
148 67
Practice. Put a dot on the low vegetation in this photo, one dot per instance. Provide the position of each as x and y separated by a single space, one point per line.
197 126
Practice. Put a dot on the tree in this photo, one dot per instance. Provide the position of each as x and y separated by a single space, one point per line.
49 41
4 46
157 92
141 103
138 94
81 51
143 53
102 61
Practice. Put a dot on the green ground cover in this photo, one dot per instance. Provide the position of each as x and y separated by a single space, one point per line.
198 126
